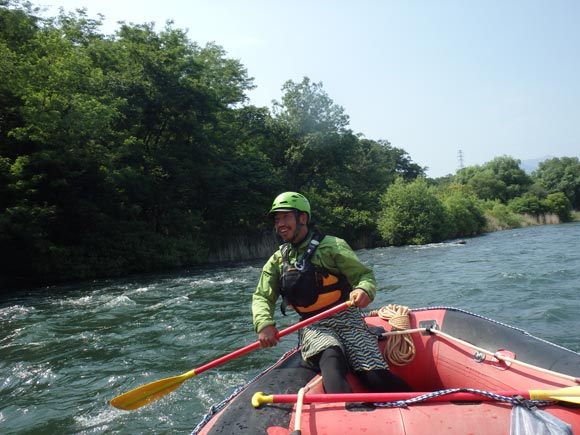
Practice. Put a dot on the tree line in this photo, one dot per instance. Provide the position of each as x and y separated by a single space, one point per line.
139 151
481 198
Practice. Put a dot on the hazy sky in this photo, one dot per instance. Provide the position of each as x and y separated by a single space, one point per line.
489 77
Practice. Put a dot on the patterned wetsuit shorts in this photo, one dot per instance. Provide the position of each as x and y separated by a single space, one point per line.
349 331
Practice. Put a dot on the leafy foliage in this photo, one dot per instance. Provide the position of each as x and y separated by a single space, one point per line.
501 179
561 175
465 210
559 204
412 214
342 174
137 151
499 216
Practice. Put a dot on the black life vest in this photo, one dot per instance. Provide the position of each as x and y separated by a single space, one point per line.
308 288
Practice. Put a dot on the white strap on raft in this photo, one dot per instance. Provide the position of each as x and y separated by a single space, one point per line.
401 352
299 403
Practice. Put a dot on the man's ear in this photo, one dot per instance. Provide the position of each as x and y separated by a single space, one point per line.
303 218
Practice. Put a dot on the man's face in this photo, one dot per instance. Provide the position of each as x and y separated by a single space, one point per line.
285 224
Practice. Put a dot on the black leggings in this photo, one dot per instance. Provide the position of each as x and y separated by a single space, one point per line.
382 381
333 368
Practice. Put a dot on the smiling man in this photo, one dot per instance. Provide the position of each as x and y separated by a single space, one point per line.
313 273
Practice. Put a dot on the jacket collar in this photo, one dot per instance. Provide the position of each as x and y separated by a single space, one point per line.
305 241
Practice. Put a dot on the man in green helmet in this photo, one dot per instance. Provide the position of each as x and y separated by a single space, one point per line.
313 273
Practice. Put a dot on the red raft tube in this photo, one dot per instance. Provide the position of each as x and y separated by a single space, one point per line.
470 374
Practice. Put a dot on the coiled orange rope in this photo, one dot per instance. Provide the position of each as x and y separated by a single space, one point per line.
400 349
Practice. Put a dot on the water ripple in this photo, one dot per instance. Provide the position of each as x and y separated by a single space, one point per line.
66 351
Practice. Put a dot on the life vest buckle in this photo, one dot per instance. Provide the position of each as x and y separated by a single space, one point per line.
299 265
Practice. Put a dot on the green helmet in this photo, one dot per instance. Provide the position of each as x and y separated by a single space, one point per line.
290 201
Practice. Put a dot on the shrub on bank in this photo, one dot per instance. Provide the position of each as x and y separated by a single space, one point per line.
554 204
500 217
412 215
464 209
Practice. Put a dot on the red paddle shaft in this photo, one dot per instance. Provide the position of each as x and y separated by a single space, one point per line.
388 397
289 330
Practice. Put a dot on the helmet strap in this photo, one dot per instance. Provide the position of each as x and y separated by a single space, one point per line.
299 225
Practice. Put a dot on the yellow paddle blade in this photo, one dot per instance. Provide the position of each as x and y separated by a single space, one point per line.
568 394
146 394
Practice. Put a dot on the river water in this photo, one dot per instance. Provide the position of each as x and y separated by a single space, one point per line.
66 351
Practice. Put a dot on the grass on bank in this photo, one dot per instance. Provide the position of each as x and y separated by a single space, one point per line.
499 217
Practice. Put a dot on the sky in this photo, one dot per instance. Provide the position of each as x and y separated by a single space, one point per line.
452 82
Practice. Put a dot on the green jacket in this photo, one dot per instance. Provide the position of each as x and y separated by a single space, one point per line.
333 254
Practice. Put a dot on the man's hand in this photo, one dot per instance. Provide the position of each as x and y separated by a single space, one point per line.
268 336
360 298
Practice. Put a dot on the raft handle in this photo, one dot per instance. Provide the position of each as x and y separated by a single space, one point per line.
429 325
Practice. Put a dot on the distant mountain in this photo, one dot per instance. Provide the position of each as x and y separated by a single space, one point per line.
531 165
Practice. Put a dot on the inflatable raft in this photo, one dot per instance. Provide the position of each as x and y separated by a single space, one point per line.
470 374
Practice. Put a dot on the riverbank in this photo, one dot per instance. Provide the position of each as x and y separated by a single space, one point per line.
507 221
246 249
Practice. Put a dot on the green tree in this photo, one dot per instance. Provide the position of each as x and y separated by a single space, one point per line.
508 170
57 187
531 205
528 204
113 148
464 208
499 216
412 214
488 186
501 178
383 163
318 148
342 172
308 109
559 204
318 140
560 175
136 151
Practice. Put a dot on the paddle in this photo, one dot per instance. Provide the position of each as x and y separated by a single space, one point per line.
155 390
569 394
